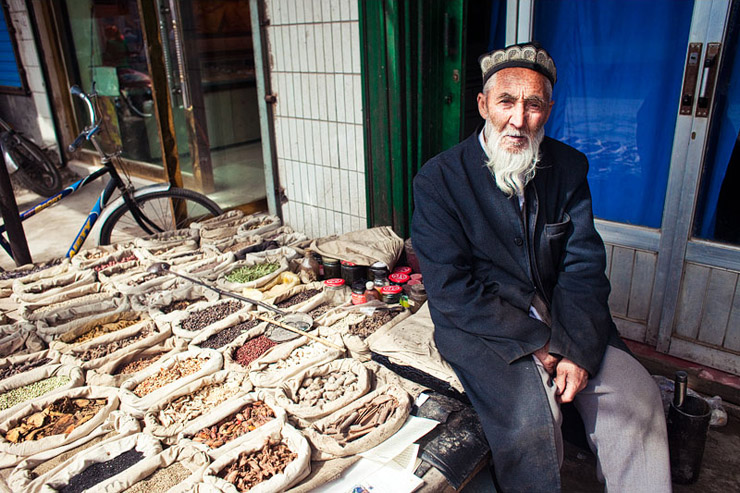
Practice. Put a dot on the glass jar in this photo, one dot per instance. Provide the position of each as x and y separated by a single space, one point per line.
358 293
352 273
417 297
378 270
391 294
308 271
331 268
335 292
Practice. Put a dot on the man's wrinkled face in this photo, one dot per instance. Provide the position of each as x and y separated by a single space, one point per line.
517 106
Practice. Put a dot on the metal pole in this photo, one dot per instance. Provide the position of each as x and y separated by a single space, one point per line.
11 216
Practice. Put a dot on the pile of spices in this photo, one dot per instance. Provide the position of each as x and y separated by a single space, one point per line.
100 471
372 323
252 272
137 365
162 480
252 349
180 305
319 310
298 298
11 370
241 245
31 391
251 417
299 355
224 337
102 329
362 421
50 464
127 258
62 416
164 376
322 389
203 318
188 407
17 274
106 349
148 276
251 468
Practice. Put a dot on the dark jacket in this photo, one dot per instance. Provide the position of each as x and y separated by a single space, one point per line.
483 262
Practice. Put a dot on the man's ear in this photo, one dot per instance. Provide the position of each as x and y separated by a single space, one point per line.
483 106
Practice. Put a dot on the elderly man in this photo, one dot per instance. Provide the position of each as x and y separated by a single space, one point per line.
514 269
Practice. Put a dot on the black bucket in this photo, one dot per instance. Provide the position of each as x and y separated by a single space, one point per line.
687 434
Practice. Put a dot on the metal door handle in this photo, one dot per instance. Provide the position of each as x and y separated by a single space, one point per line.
691 74
708 79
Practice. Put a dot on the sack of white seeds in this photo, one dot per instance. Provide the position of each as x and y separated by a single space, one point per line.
321 390
284 457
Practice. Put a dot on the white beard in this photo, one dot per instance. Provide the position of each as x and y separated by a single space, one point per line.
512 170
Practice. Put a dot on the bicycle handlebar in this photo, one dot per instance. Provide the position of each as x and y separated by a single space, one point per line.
89 131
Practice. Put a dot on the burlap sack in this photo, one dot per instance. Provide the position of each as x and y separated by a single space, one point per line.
141 442
275 296
54 289
155 301
19 338
148 473
360 348
222 325
66 319
138 406
160 423
208 268
258 224
212 227
325 447
101 300
338 392
90 257
229 351
177 258
160 243
31 273
64 342
363 247
176 320
140 282
293 473
122 268
250 260
12 453
107 374
233 244
336 323
290 358
19 364
227 412
286 236
74 373
33 471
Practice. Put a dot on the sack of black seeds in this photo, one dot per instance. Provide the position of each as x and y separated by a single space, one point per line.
175 298
324 389
19 389
174 470
294 299
63 286
153 385
110 466
54 420
31 273
121 367
193 401
208 268
222 333
360 426
68 318
198 317
290 358
358 335
252 272
284 456
258 224
225 428
19 364
19 338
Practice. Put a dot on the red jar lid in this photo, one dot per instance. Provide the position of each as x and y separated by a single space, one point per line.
347 262
390 289
333 283
416 276
398 278
402 270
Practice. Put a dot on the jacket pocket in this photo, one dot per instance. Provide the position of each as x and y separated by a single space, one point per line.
557 230
556 235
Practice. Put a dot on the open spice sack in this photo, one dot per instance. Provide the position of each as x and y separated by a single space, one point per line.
298 298
233 244
230 424
116 263
324 389
246 348
174 470
209 268
121 367
219 227
199 317
53 289
54 420
65 319
159 303
19 389
33 471
89 257
222 333
153 385
284 459
193 400
88 331
31 273
258 224
112 465
252 272
140 282
19 338
160 244
97 301
19 364
290 358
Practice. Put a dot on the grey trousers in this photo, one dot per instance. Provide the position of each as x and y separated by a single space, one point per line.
625 425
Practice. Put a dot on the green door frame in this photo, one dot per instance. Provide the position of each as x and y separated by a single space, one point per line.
412 80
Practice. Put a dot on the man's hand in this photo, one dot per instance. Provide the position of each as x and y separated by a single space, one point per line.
569 379
548 360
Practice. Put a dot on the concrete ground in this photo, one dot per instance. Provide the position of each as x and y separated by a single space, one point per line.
50 233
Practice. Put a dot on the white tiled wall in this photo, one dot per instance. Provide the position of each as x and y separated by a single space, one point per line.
314 50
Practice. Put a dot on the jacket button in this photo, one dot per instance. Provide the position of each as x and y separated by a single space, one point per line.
518 241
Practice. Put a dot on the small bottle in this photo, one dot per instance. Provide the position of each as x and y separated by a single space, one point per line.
370 292
335 291
358 294
309 269
417 297
679 389
391 294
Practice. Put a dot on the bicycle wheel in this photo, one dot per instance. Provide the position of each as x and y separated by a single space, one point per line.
35 169
157 207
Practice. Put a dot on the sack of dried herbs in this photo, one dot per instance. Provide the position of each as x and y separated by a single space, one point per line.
322 390
154 384
228 426
199 317
18 339
252 272
19 364
53 289
284 457
32 471
31 273
18 389
54 420
67 318
222 333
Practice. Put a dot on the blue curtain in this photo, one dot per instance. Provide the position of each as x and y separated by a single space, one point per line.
620 64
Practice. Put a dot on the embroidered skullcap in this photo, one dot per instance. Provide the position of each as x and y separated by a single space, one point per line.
527 55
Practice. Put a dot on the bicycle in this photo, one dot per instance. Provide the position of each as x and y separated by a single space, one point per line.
135 212
33 167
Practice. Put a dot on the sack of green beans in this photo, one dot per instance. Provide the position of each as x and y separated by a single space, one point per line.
33 471
53 289
175 470
201 316
208 268
68 318
31 273
34 383
252 272
19 364
19 338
